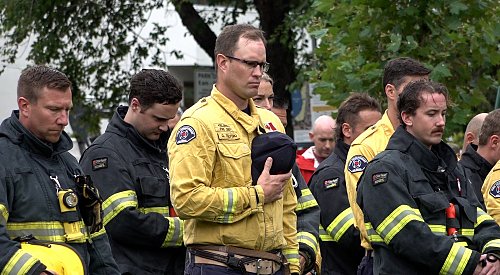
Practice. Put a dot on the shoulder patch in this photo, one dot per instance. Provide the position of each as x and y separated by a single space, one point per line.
380 178
331 183
357 164
99 163
185 134
495 190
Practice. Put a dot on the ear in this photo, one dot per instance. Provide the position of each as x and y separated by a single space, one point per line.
222 62
24 106
407 119
311 135
135 105
390 92
494 141
469 137
346 130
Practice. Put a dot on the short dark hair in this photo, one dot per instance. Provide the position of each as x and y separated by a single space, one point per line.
397 69
491 126
411 97
349 109
152 86
228 39
34 79
280 102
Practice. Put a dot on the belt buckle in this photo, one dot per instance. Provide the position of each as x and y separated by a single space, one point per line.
257 265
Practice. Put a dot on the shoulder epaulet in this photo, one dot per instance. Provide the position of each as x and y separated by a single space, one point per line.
197 106
367 133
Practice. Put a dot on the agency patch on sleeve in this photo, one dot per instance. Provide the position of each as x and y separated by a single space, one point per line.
495 190
99 163
331 183
185 134
380 178
357 164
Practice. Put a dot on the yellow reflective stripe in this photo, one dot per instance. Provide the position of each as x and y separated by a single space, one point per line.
323 235
492 244
308 239
4 214
467 232
230 201
46 231
481 217
291 255
393 224
163 210
306 200
20 263
372 234
116 203
174 234
340 224
98 233
456 260
438 229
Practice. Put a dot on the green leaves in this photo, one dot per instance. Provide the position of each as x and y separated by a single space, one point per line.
458 39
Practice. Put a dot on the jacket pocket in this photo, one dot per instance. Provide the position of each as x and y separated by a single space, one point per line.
236 162
432 207
154 191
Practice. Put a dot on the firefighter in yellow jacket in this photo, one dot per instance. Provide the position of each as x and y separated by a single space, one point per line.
491 192
232 226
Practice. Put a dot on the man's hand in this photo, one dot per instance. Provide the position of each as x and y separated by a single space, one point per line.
273 185
488 265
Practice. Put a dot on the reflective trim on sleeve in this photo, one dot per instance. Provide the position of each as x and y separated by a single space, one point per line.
373 237
230 201
291 255
466 232
98 233
4 214
456 261
20 263
46 231
438 229
341 224
397 220
174 234
492 244
308 239
163 210
305 201
116 203
323 235
481 217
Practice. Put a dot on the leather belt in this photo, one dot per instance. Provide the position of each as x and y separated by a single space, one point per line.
259 266
248 263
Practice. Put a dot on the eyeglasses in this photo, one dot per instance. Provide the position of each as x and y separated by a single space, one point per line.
264 66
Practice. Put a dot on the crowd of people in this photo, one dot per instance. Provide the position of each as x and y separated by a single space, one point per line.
219 189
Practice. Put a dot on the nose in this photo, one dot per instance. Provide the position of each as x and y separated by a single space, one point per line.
63 118
441 121
164 127
258 71
266 103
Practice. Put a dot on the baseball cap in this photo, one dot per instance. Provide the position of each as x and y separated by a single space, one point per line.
280 147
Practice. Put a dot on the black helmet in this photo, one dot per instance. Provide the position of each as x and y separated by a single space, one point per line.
280 147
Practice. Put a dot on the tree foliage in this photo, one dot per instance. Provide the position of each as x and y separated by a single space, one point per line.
99 44
459 40
96 43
